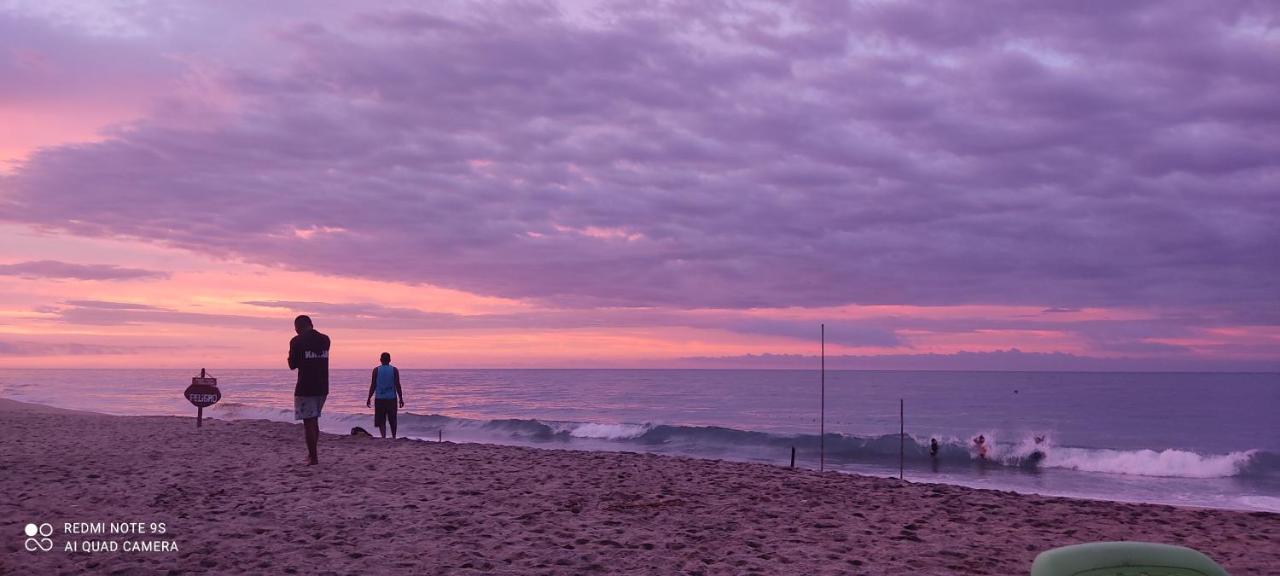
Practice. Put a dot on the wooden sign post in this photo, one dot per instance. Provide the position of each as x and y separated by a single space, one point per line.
202 392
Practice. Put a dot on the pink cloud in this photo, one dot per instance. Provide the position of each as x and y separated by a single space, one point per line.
55 270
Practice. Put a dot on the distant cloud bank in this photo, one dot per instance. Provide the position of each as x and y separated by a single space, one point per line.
54 270
1001 360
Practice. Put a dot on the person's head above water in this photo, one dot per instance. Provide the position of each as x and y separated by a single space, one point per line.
302 323
385 358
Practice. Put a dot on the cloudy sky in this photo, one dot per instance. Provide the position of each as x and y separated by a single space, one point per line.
1003 184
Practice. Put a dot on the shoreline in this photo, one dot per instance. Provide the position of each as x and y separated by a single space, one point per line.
1004 474
236 496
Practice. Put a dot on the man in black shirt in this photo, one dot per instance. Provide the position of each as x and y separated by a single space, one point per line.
309 355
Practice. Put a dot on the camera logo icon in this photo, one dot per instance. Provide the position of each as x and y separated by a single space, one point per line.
43 543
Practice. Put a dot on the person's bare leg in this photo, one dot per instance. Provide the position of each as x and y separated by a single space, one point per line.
392 418
382 428
312 426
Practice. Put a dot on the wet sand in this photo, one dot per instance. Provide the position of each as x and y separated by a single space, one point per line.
237 497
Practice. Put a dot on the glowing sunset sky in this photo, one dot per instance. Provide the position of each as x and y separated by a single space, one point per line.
487 184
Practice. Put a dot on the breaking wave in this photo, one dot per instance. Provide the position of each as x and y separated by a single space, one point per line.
713 441
1165 463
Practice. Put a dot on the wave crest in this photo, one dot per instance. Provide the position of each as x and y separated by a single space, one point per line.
715 441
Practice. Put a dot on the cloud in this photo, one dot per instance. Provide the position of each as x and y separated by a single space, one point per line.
368 316
354 310
737 156
55 270
374 315
104 305
30 349
1012 359
104 313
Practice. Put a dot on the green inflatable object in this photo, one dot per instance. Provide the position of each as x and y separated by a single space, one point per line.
1124 559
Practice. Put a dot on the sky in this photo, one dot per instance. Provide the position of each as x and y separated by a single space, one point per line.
973 185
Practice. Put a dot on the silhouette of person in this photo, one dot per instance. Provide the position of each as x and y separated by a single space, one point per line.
384 389
980 444
1037 454
309 355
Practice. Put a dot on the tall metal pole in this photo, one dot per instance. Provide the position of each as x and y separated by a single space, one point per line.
822 410
902 435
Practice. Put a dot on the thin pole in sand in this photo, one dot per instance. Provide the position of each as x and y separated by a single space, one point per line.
793 457
440 435
902 435
822 402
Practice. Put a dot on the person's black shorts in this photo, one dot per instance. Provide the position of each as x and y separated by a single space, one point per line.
384 410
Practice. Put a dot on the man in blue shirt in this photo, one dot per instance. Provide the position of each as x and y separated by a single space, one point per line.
309 355
384 390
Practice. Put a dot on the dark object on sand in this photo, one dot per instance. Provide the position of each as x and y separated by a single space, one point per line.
360 432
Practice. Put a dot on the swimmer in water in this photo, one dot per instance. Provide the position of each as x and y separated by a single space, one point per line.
980 444
933 447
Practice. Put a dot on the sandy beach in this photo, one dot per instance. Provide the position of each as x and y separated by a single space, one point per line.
237 497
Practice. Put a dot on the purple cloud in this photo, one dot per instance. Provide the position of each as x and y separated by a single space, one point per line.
104 305
709 155
367 316
55 270
49 64
1012 359
99 313
29 349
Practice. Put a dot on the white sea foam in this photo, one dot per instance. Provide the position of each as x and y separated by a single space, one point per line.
1164 463
237 411
608 431
1263 503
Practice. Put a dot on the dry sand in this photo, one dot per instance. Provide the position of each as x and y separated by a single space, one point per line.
236 497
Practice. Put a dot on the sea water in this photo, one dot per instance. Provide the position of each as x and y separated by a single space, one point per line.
1195 439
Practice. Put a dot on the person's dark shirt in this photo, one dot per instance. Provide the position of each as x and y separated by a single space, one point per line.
309 355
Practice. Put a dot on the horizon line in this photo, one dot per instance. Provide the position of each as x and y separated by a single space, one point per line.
673 369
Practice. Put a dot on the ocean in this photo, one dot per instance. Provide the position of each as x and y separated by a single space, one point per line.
1189 439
